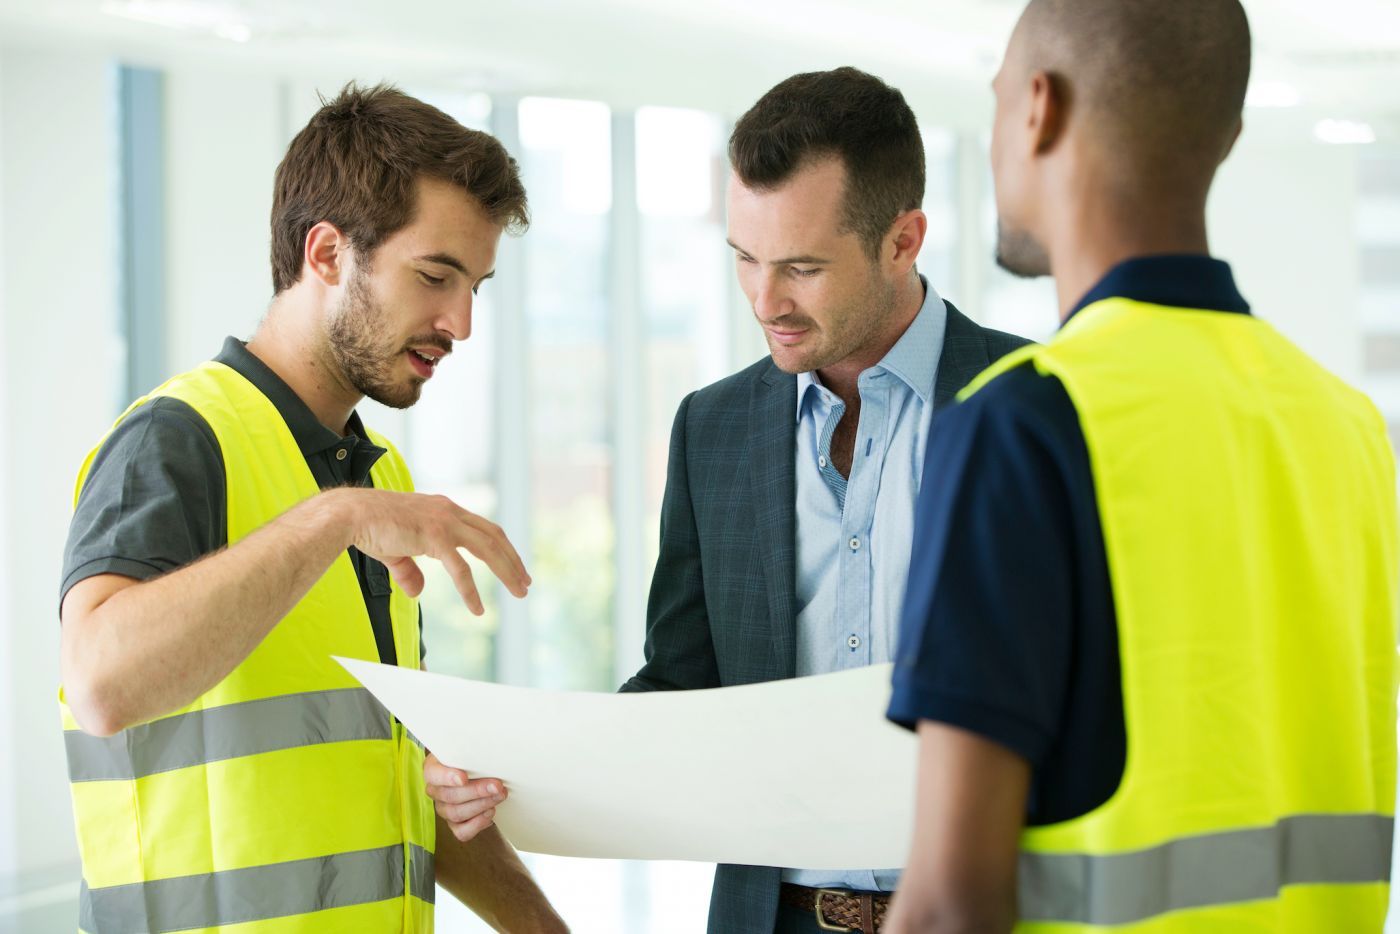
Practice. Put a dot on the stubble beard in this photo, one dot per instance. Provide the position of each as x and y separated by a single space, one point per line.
1019 253
849 330
365 355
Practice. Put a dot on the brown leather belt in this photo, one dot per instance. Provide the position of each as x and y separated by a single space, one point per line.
839 909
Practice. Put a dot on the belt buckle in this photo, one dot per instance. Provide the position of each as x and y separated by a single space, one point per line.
821 918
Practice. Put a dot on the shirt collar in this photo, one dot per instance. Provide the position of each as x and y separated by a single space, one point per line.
913 358
1185 280
311 436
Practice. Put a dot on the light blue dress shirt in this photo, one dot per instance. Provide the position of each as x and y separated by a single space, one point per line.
854 534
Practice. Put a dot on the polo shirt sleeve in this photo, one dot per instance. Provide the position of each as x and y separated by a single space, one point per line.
987 631
154 498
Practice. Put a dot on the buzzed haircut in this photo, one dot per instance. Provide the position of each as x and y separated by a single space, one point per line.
357 162
1164 80
848 114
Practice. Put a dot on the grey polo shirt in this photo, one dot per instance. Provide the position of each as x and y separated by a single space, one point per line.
155 501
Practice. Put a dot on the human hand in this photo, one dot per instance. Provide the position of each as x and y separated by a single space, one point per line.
394 528
468 805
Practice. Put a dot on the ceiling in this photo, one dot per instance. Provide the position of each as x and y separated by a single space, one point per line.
1339 59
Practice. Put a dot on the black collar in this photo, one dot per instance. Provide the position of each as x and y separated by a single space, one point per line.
311 436
1180 281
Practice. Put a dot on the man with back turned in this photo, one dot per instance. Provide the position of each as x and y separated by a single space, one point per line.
1149 638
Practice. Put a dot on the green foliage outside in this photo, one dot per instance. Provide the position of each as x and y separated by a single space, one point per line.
571 606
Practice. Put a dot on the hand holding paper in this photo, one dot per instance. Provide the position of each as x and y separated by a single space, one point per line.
467 804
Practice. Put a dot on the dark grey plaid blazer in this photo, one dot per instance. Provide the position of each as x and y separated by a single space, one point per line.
722 608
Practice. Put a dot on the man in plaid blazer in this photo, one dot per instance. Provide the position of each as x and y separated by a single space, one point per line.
787 519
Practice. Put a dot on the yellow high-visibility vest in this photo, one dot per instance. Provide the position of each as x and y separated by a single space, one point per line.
1248 504
284 799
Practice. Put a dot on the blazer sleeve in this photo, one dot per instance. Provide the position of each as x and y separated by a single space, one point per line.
679 651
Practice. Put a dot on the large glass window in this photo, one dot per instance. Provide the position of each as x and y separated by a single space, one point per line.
448 444
565 154
684 273
1378 246
938 260
1378 242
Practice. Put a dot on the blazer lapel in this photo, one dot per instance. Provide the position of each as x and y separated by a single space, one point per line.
964 356
772 473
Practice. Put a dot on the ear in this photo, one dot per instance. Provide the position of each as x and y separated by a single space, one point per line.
1234 138
1049 99
324 253
905 239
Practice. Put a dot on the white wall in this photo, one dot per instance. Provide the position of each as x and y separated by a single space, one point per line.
60 363
1283 212
224 139
8 774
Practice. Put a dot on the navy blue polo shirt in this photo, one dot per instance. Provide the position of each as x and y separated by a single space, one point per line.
1008 629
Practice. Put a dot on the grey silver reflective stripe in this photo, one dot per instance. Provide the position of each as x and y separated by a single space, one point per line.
1210 869
422 876
255 894
227 732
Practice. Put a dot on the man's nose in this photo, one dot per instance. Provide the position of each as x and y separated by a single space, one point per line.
457 321
770 300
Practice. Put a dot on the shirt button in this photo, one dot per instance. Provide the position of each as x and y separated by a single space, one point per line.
855 545
853 641
341 454
821 461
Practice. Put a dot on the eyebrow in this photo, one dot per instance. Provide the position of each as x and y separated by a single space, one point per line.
447 259
805 260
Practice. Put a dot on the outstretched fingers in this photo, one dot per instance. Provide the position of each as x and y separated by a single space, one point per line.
488 542
462 578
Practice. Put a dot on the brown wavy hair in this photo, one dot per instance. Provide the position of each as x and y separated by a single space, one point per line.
356 165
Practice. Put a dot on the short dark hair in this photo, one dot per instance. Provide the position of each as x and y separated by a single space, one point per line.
848 114
1161 82
356 165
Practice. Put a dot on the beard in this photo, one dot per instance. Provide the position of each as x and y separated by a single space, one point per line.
366 353
1019 254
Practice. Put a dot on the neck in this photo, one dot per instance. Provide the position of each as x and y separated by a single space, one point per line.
841 377
1101 228
290 342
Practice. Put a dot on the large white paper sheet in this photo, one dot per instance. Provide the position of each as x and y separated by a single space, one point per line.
805 773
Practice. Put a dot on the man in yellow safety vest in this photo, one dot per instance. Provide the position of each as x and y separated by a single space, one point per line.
1148 641
240 525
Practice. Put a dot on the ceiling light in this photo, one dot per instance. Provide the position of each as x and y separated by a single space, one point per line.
216 19
234 32
1344 132
1272 94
